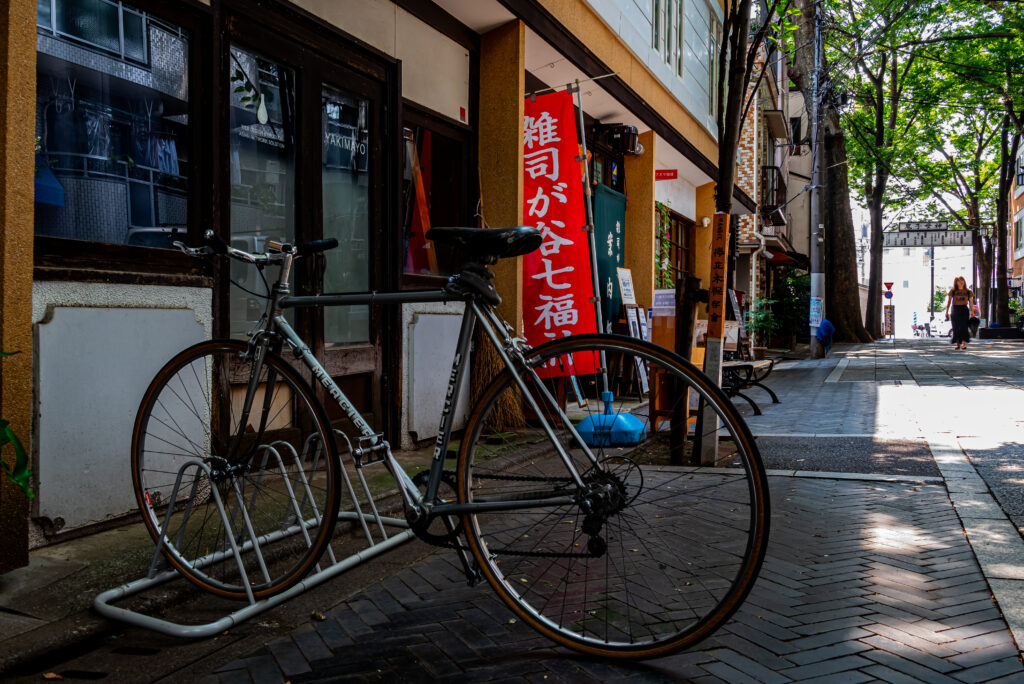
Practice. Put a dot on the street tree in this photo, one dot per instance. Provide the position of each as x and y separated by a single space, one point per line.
928 134
873 45
842 292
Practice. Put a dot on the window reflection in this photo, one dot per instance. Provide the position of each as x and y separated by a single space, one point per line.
345 138
111 124
262 170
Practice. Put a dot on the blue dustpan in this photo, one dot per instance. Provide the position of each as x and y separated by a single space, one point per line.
610 428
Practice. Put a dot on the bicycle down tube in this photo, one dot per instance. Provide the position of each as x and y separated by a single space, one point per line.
490 325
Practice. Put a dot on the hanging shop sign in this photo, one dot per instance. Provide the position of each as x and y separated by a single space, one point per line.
557 279
923 225
716 293
927 238
666 174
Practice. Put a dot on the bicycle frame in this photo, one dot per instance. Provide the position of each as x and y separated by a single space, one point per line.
509 349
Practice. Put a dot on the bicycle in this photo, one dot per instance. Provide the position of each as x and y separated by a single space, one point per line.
577 492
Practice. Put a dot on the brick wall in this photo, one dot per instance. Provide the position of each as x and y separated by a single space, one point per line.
747 168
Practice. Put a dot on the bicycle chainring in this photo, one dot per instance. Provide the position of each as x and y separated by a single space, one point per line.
434 529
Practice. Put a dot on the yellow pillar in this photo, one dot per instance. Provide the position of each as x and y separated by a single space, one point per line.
705 208
641 220
17 137
502 87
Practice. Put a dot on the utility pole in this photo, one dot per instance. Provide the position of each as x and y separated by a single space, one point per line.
817 226
931 292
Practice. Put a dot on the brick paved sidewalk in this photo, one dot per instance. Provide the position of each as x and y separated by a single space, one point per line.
864 581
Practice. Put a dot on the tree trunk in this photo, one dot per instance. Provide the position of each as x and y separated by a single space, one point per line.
1008 161
984 275
842 291
842 295
873 319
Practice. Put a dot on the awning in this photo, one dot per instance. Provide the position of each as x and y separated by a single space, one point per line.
778 257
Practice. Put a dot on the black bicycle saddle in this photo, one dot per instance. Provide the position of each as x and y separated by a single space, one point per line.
487 245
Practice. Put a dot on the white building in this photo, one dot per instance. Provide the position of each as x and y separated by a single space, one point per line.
909 270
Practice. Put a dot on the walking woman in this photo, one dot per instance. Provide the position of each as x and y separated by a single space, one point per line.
961 299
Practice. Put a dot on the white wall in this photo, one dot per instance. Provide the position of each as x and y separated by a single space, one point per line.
435 69
97 347
914 269
679 195
632 21
429 336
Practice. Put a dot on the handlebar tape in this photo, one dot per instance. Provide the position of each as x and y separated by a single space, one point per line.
315 246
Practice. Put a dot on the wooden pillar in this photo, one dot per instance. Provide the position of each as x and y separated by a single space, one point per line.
641 219
502 86
705 209
17 138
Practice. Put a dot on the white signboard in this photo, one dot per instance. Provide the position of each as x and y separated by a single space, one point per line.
924 225
626 286
927 238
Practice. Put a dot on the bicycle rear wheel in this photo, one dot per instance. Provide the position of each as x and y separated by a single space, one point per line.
665 538
267 485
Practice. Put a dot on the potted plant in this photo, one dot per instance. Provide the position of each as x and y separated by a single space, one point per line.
1017 307
20 474
761 322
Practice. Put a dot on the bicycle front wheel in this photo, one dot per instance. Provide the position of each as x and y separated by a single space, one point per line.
221 484
660 539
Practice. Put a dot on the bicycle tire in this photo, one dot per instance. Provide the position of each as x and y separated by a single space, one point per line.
281 467
685 544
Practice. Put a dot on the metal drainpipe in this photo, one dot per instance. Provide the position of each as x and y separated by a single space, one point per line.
753 274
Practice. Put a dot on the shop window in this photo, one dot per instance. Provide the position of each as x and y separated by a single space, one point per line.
434 193
1018 238
262 171
673 249
346 204
606 169
112 124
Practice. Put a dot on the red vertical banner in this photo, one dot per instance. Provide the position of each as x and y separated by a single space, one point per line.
557 278
716 293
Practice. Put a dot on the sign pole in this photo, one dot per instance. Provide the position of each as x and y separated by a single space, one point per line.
931 292
588 205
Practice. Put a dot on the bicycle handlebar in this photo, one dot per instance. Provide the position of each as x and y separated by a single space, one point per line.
215 244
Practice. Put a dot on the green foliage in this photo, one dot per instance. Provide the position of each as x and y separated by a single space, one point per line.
664 273
20 474
761 320
938 300
930 82
1017 305
792 302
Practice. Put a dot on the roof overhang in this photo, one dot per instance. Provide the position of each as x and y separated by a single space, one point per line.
776 119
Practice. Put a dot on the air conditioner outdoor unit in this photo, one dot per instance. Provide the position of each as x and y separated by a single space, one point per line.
621 138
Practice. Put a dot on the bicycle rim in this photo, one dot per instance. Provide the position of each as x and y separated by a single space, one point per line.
682 535
266 487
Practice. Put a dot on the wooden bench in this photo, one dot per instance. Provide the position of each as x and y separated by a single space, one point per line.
738 374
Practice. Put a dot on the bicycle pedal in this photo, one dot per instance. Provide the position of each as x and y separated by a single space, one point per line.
368 451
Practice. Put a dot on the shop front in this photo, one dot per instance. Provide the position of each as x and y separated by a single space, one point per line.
157 121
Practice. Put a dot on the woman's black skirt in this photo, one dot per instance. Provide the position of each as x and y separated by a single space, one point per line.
959 318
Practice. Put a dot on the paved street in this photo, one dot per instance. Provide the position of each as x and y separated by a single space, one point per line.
891 558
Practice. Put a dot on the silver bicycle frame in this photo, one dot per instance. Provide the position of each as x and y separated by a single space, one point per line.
508 350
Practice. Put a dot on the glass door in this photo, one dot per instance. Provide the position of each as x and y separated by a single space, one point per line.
345 185
261 163
306 161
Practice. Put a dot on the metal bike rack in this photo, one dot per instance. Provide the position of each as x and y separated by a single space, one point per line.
373 524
